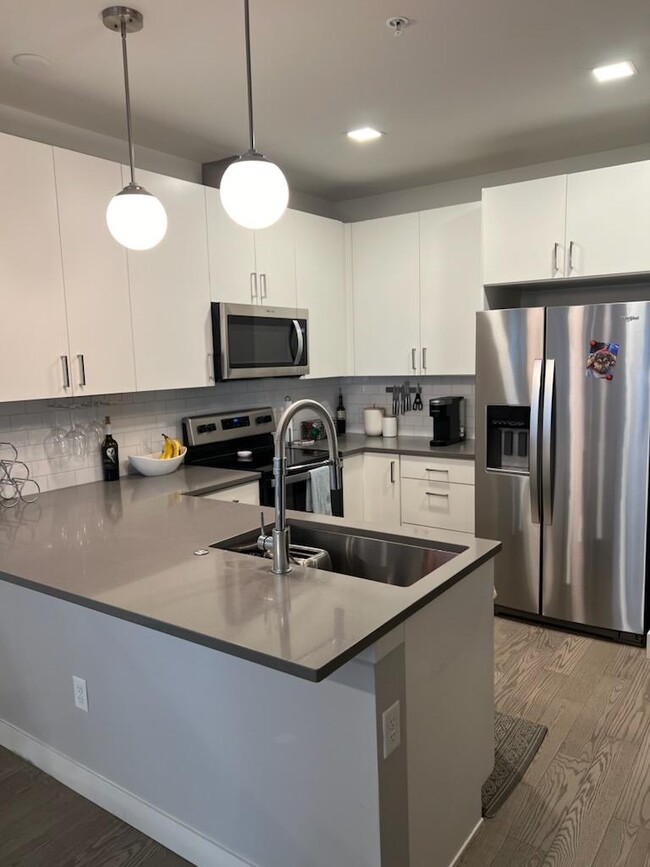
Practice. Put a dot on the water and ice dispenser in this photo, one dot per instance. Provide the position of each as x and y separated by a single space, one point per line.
508 439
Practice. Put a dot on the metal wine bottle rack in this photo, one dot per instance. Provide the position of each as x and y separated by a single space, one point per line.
16 483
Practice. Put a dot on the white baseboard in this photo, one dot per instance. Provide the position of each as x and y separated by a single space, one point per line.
160 826
459 854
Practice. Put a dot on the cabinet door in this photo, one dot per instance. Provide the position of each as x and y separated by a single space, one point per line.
34 332
275 261
353 488
386 296
320 278
231 249
170 293
524 231
608 218
451 291
381 489
95 276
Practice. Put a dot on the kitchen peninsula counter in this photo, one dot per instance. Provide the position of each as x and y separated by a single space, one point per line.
127 549
206 728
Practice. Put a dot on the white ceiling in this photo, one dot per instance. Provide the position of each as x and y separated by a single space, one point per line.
473 86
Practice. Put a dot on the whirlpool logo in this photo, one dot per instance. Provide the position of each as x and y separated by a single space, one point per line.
630 318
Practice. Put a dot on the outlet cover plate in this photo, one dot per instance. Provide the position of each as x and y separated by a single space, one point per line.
80 693
390 722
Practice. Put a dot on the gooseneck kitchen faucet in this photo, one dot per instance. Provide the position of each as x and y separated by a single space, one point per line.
278 541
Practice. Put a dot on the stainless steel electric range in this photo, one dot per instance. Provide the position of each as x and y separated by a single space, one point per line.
244 440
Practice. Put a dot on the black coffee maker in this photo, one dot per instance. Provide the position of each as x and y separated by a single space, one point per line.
448 414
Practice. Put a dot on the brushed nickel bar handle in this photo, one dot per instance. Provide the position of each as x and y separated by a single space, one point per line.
253 280
547 442
392 472
571 246
556 248
424 358
66 371
435 494
82 369
535 402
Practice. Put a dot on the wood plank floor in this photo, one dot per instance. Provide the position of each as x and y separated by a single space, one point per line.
45 824
585 800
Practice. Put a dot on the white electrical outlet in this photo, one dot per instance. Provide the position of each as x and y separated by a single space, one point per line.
80 693
390 722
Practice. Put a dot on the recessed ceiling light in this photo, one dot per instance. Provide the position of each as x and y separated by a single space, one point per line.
31 61
364 134
615 70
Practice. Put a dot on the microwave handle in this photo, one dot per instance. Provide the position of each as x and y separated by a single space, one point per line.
301 342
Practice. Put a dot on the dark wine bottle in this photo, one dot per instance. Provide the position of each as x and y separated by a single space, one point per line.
340 416
110 454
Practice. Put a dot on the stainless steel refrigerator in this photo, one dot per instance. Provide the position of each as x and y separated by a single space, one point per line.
562 455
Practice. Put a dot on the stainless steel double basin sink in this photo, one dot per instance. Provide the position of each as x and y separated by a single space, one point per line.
359 553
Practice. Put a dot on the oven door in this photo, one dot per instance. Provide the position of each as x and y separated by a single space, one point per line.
296 491
252 341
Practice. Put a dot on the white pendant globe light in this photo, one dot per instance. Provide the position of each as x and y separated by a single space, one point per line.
134 217
254 192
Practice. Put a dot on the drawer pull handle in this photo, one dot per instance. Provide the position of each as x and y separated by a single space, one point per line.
436 470
435 494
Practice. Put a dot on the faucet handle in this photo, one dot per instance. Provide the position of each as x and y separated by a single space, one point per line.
262 529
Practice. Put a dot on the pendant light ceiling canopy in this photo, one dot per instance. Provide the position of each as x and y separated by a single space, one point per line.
254 191
135 218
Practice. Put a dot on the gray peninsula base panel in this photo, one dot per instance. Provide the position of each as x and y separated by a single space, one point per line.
239 757
231 763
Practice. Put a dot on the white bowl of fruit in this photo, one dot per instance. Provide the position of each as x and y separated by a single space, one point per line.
160 463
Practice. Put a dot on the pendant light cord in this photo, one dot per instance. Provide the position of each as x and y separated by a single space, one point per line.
127 92
249 77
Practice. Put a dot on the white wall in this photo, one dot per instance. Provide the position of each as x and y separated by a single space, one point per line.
15 121
460 190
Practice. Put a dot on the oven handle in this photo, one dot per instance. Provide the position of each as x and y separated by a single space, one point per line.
301 342
302 476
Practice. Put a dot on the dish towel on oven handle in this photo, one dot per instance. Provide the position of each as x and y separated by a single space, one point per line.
319 499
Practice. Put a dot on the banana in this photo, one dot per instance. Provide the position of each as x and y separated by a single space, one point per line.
167 452
178 448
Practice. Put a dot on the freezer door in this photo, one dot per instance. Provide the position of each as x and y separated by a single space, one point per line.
595 485
509 354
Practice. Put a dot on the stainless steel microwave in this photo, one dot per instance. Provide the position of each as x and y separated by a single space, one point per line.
253 341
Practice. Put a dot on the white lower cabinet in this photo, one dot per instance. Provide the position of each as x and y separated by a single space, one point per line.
353 488
248 493
438 493
381 489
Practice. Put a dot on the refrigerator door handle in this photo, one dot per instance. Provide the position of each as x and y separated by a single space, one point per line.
535 401
535 406
548 469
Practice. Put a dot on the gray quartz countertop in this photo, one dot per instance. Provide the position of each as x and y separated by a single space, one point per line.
352 444
127 549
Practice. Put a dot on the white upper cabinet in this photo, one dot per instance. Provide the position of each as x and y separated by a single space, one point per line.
275 262
608 221
386 296
233 277
34 349
320 277
524 231
451 290
95 275
170 292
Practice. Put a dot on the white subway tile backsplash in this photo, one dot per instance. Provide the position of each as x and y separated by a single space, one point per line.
139 419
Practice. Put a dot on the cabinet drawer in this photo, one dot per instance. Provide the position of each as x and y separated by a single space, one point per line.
432 504
438 470
249 493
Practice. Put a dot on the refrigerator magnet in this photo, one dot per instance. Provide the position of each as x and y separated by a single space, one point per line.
601 359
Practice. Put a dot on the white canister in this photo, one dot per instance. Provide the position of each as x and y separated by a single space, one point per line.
389 426
372 418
